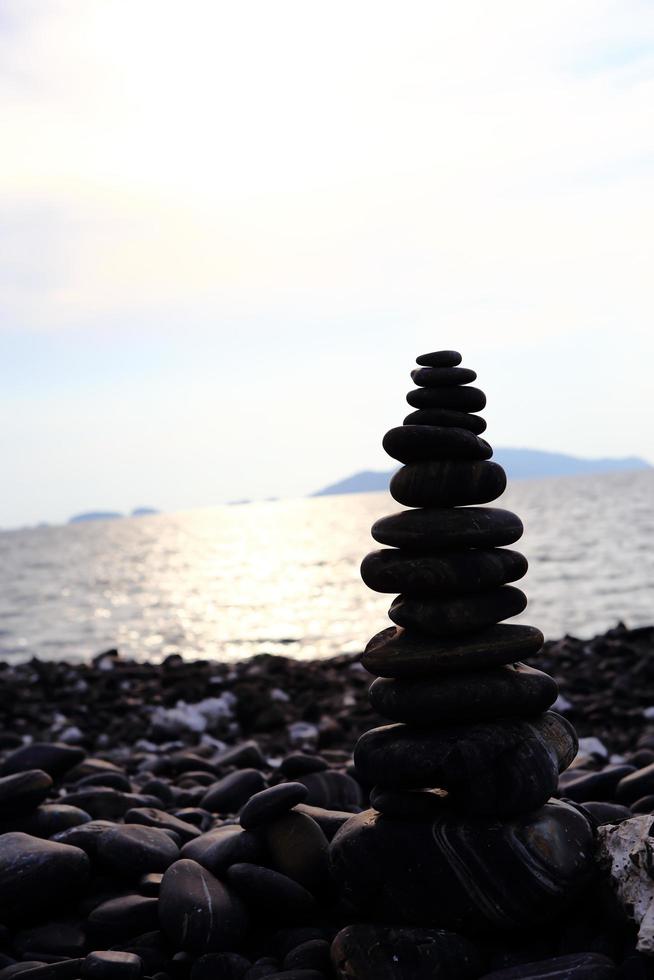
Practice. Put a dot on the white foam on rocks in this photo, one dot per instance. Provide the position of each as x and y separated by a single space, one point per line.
195 717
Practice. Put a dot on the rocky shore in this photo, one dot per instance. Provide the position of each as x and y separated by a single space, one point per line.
175 820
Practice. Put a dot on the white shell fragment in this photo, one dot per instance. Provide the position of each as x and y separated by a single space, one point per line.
626 852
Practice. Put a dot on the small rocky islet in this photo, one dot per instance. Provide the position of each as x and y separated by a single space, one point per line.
208 821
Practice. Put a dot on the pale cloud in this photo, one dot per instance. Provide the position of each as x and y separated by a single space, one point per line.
487 162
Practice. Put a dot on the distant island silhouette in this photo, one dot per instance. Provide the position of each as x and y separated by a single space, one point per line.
518 463
110 515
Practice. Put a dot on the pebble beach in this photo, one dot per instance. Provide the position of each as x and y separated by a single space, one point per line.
175 820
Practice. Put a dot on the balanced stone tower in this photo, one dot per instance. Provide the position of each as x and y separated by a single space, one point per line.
463 832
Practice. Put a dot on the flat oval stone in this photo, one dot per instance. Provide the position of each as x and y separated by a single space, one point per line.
85 836
271 803
466 399
513 689
595 786
299 849
446 417
153 817
219 848
332 790
465 873
272 893
415 443
635 785
398 570
111 964
121 918
433 529
395 953
23 791
230 793
442 377
397 653
38 874
198 912
47 820
52 757
132 850
301 764
449 615
444 482
497 767
440 358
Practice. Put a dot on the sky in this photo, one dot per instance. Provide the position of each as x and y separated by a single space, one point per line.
227 230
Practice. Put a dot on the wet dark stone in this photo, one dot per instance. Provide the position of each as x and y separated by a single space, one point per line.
230 793
603 813
38 875
444 483
196 816
220 966
23 791
451 615
301 764
102 802
635 785
329 821
299 849
332 790
271 894
397 653
122 918
595 785
444 417
396 570
86 836
47 820
440 358
114 780
461 872
408 804
576 966
513 689
132 850
466 399
314 954
499 767
419 443
219 848
153 817
442 377
644 804
198 912
427 530
52 757
271 803
110 964
68 969
364 952
247 754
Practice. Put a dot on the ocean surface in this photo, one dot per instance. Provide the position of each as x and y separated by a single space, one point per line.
283 576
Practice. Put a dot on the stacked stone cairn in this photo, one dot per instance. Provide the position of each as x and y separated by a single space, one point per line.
462 832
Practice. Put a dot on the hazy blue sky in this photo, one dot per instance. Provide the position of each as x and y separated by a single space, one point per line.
226 230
